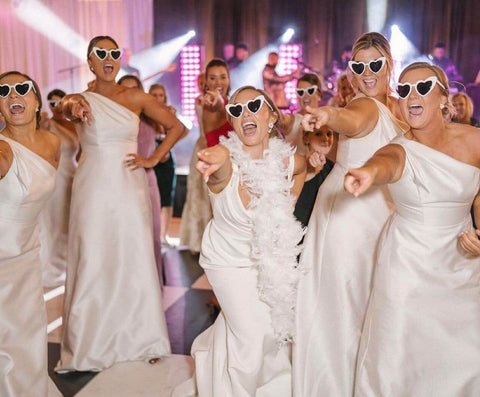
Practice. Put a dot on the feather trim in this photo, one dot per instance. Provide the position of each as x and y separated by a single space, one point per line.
276 232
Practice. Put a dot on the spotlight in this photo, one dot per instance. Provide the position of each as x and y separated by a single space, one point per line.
403 51
376 14
191 33
287 36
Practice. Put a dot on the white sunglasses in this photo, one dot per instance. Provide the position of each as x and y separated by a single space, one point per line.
21 89
375 66
423 87
309 90
254 105
102 53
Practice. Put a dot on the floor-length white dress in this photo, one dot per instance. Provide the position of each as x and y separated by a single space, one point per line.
24 191
113 305
422 330
339 250
55 216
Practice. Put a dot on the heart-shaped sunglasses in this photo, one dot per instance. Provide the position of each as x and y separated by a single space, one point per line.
309 90
21 89
101 53
254 105
375 66
423 87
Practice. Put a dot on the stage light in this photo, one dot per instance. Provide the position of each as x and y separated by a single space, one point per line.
191 33
287 63
40 18
287 36
376 14
190 67
158 58
403 50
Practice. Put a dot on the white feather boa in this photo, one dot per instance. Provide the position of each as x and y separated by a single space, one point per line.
276 232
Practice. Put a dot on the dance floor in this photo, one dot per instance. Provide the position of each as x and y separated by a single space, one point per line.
185 298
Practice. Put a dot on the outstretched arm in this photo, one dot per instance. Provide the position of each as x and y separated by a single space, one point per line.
76 108
216 167
357 119
385 166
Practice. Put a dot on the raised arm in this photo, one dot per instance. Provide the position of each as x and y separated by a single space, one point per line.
216 167
385 166
76 108
357 119
6 158
174 129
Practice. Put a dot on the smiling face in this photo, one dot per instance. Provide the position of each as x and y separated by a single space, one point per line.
252 128
461 107
320 140
371 84
308 100
159 94
18 110
421 111
218 80
108 68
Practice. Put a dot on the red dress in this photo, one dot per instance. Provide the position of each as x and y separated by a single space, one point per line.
213 136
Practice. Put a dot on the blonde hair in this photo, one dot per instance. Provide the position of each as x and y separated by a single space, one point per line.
272 107
468 105
449 110
380 43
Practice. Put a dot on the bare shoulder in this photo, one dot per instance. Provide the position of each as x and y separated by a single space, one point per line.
50 138
362 103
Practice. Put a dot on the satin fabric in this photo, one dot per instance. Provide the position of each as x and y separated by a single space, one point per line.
197 211
55 216
238 356
146 147
113 305
24 191
422 330
339 251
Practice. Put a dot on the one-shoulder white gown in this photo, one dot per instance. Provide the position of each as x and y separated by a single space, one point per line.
113 305
24 191
422 330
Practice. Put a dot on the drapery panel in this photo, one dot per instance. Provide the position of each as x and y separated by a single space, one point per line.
22 48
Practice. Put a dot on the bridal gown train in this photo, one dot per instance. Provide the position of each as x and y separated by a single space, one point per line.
339 250
24 191
55 216
422 330
113 305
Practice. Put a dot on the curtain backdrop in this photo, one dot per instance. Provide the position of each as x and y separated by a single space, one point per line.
324 26
22 48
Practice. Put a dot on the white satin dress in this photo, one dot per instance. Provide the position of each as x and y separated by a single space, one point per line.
24 191
113 305
339 249
55 216
238 356
422 331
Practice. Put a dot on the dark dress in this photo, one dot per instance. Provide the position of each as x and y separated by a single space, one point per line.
306 200
167 179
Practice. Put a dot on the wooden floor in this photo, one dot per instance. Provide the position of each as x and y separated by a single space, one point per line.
186 298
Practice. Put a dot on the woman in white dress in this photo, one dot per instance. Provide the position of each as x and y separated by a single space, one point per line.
29 157
422 331
249 253
113 305
340 244
55 216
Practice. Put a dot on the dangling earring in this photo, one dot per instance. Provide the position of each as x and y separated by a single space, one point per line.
442 106
270 127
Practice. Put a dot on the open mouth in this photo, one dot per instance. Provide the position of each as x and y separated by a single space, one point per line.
108 68
370 83
415 110
306 101
16 108
249 127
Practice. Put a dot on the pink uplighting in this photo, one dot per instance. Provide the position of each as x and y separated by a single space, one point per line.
190 64
287 64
